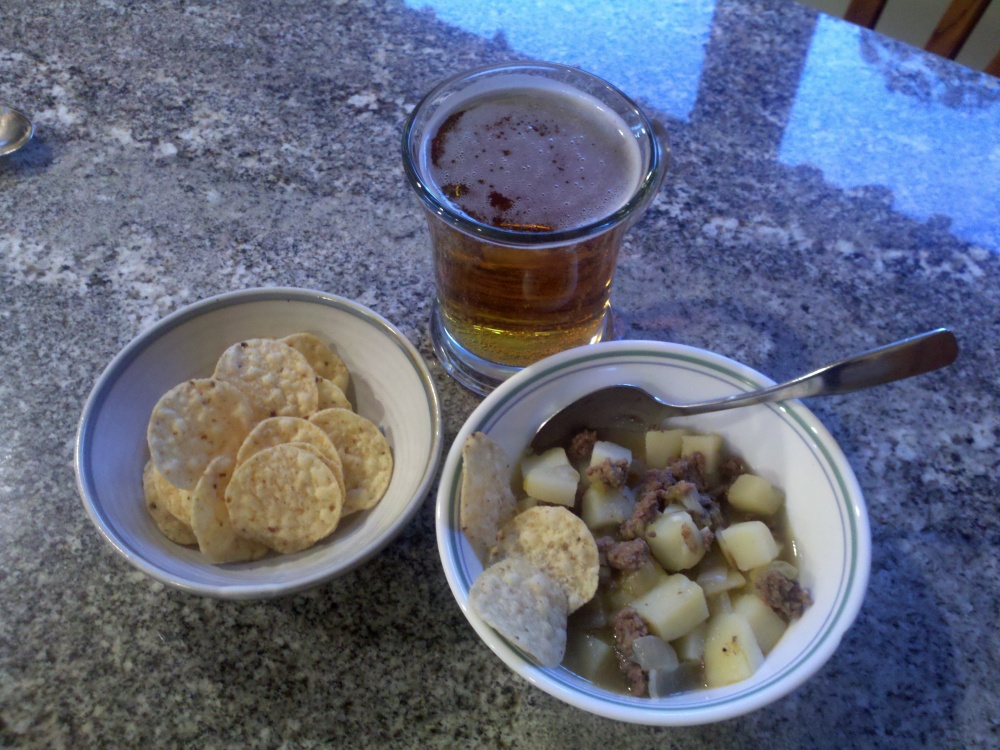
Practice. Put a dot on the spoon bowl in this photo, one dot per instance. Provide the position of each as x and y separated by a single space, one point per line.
15 130
630 406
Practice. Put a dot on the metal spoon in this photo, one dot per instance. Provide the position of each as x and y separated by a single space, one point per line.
631 406
15 130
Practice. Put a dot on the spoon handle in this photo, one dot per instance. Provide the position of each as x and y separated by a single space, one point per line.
903 359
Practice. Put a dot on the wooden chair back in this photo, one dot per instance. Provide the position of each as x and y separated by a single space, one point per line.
948 37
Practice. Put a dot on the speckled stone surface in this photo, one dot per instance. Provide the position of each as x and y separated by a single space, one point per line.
830 191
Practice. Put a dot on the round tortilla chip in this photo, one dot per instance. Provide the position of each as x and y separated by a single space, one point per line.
155 489
284 497
525 606
194 422
216 538
487 502
332 459
277 430
321 358
174 500
331 396
276 378
365 453
557 542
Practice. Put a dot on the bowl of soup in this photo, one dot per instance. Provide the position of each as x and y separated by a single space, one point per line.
675 573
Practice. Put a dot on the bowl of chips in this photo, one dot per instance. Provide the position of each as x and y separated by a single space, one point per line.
529 559
258 443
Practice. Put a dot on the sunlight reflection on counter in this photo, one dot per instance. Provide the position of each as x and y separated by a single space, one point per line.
622 44
849 124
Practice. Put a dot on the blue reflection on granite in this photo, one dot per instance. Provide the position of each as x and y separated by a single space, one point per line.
862 123
653 50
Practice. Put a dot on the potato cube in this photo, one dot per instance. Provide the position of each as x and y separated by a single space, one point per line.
748 544
631 586
708 445
550 478
753 494
605 451
675 541
731 650
602 506
662 447
672 608
766 624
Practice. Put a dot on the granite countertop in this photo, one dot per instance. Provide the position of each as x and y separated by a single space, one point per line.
830 191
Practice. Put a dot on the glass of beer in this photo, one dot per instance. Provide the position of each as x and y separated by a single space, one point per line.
529 174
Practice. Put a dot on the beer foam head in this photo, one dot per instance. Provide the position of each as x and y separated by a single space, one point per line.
532 155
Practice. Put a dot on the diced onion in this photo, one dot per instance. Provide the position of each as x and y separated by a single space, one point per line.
691 501
785 568
718 579
653 653
664 683
720 603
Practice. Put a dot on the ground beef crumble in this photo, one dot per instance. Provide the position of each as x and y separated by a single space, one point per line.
692 539
659 488
689 468
581 446
605 575
783 594
628 626
706 511
730 468
627 556
612 474
643 513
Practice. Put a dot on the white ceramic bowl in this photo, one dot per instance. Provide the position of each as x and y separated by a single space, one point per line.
390 385
785 443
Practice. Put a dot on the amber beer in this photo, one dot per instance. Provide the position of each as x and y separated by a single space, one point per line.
529 178
514 305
